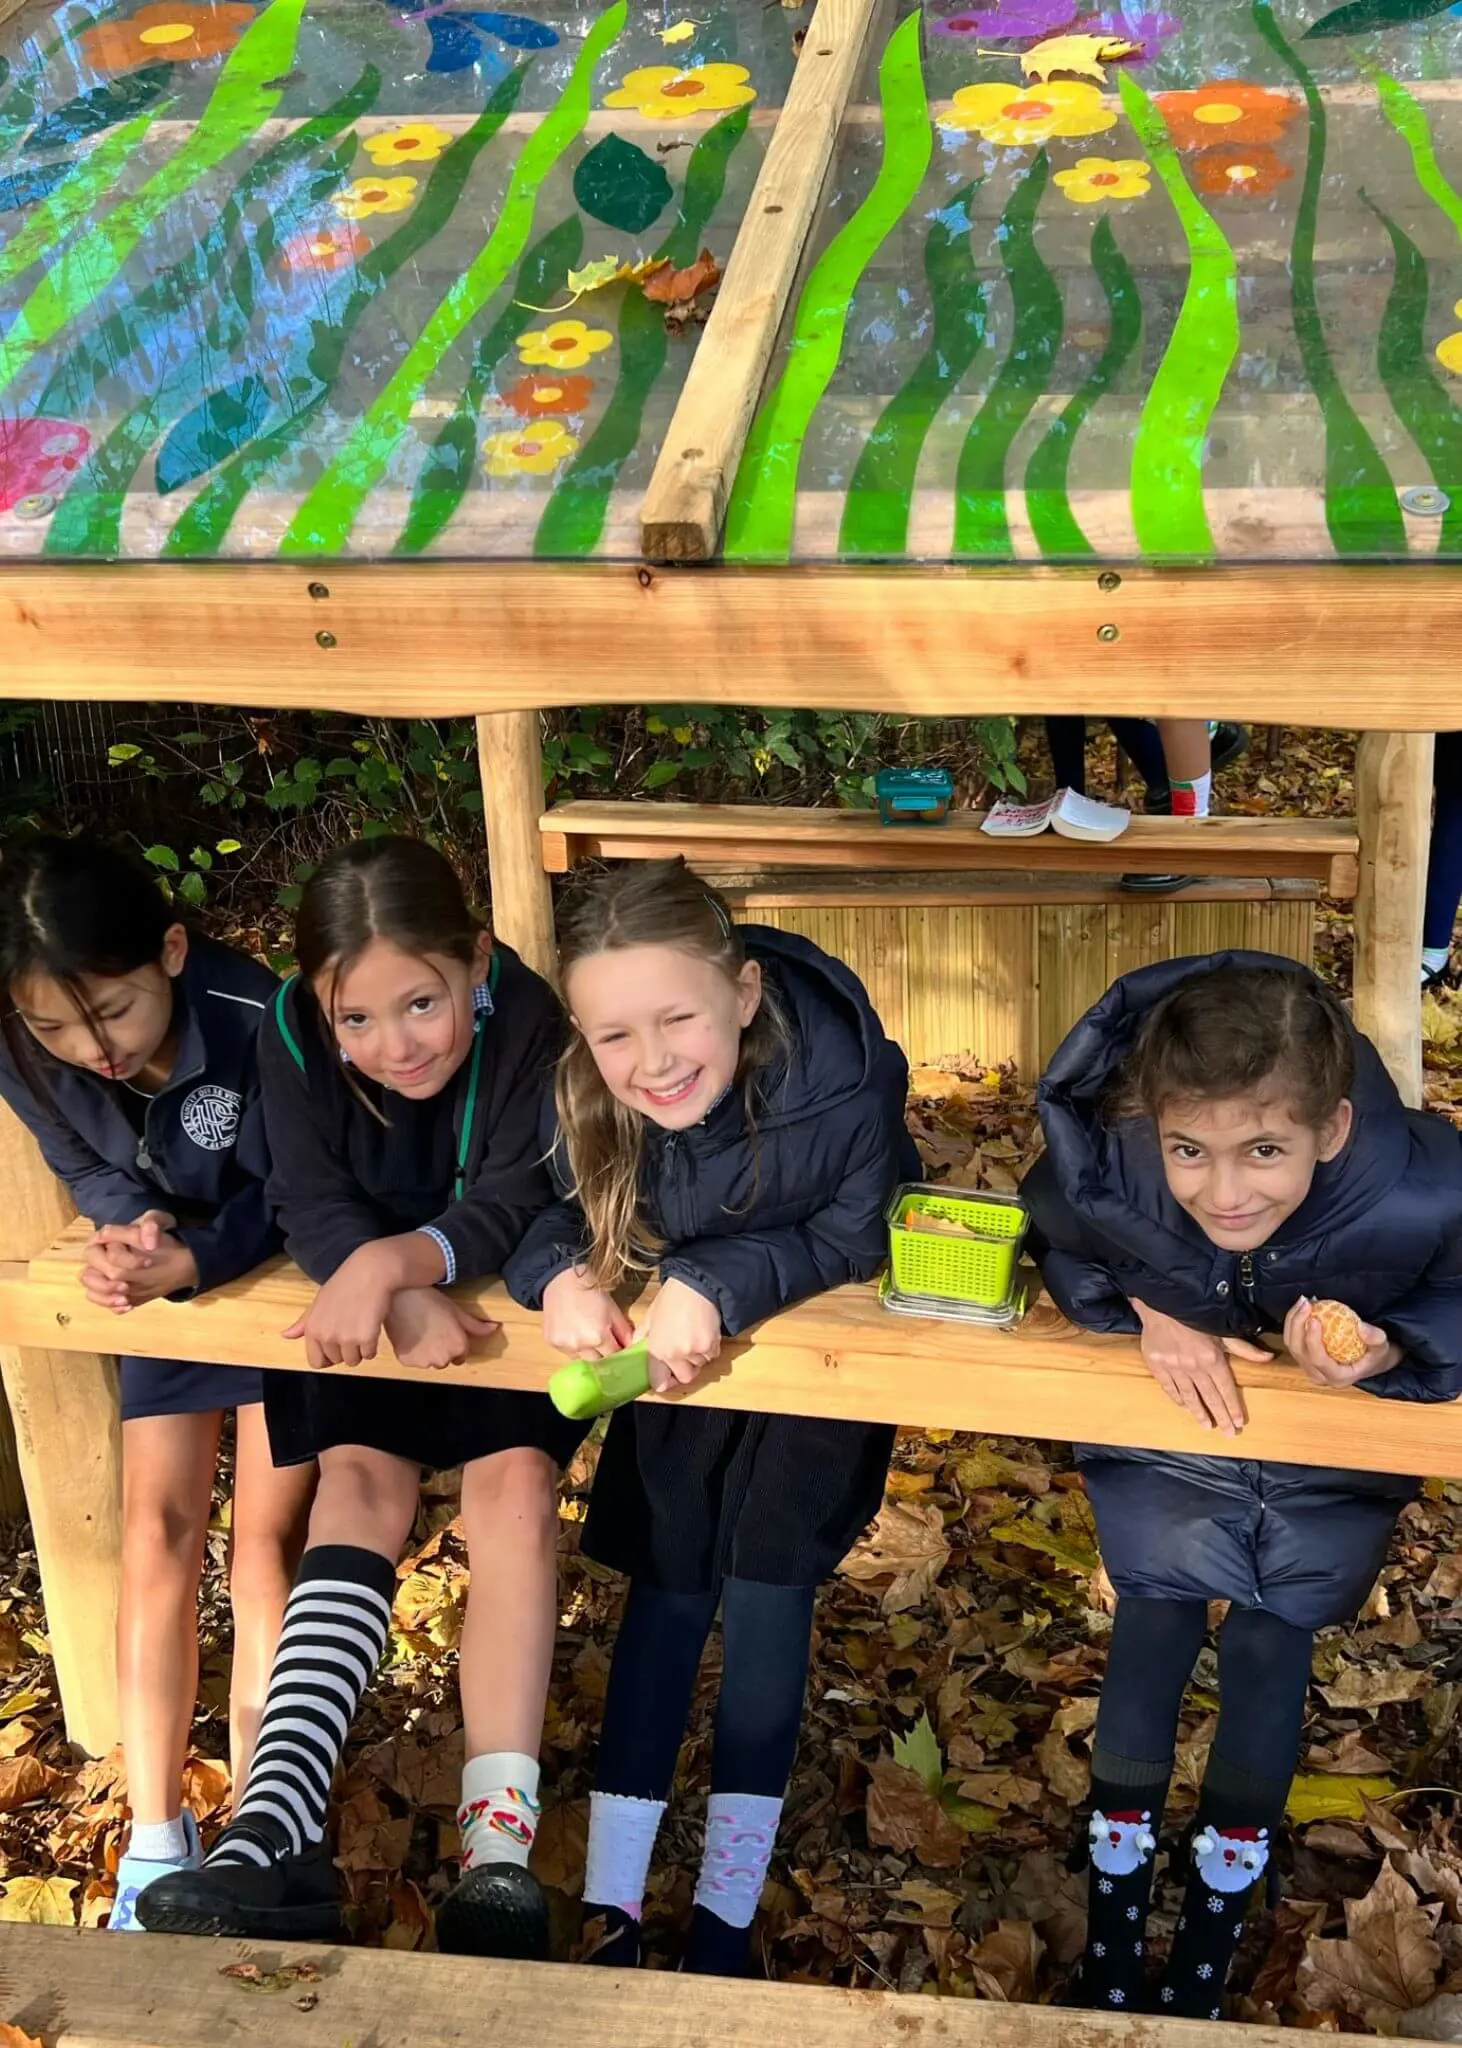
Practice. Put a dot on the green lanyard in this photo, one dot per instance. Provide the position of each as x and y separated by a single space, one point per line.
464 1143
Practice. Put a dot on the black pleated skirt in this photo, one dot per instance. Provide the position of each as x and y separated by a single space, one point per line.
435 1427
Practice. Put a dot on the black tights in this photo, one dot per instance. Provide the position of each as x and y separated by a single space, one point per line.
1263 1672
766 1636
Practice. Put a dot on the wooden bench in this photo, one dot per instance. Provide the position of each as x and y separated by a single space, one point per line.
988 946
87 1990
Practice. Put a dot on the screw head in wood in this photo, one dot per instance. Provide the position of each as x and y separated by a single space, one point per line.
324 639
319 590
1427 500
1108 633
1109 580
38 505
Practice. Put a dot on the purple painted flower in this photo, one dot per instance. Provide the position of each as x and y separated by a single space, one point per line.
1151 28
1009 18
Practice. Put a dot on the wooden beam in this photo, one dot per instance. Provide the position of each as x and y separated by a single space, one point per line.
773 888
840 1355
68 1438
89 1990
1322 849
510 757
406 638
686 499
1393 785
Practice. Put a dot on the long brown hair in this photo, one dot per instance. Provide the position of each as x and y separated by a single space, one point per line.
1238 1030
645 903
391 888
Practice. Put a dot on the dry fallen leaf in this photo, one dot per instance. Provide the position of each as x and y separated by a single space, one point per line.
1445 1582
668 286
902 1813
908 1543
39 1901
1319 1795
371 1837
23 1779
930 1904
16 2037
1005 1963
1370 1685
1077 56
1068 1775
206 1785
1388 1962
561 1845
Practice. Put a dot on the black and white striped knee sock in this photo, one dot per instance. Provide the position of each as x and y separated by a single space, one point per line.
329 1646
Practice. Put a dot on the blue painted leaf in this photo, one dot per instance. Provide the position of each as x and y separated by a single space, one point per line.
26 187
223 423
100 108
618 184
1360 16
517 30
455 44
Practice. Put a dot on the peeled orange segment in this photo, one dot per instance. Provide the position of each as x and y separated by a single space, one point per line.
1340 1332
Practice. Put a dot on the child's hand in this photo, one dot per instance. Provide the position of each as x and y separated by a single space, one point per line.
583 1321
131 1263
343 1323
683 1331
429 1328
1193 1369
1306 1347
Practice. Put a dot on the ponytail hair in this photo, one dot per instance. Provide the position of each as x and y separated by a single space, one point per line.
1239 1031
644 903
70 908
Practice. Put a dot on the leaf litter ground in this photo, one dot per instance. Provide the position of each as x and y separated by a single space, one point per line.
957 1661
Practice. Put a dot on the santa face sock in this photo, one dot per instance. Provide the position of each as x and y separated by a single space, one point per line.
1229 1857
330 1643
1122 1840
498 1817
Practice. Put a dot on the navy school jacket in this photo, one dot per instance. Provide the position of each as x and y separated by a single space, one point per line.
341 1178
201 1152
757 1224
1381 1228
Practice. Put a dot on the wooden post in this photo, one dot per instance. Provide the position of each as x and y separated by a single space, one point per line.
1393 787
69 1438
680 520
510 757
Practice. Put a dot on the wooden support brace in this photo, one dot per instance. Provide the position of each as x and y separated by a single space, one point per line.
68 1436
89 1990
1393 781
680 520
510 757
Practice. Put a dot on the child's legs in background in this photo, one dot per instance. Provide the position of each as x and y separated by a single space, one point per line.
1188 753
365 1498
168 1465
510 1515
1066 738
270 1515
766 1645
1153 1649
1444 864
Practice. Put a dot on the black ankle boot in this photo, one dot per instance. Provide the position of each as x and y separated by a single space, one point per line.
496 1909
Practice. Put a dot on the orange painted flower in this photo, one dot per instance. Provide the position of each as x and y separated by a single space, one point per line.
165 33
326 249
1232 171
1226 111
532 396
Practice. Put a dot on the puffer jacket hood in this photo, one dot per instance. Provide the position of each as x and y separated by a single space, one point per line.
1381 1227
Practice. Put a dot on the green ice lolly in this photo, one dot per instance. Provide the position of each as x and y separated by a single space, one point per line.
587 1387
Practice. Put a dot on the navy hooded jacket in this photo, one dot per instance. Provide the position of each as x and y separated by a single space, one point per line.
201 1152
1381 1228
755 1225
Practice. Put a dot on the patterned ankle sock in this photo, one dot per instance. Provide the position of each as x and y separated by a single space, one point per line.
1191 799
622 1833
498 1816
331 1641
1229 1857
1127 1804
740 1830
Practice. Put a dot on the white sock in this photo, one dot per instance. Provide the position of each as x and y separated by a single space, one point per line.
622 1835
158 1841
498 1816
1191 799
1434 959
740 1830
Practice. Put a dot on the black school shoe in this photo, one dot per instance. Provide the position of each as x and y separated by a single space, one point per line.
496 1909
294 1899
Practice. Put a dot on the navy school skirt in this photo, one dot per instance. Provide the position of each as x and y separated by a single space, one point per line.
434 1426
173 1386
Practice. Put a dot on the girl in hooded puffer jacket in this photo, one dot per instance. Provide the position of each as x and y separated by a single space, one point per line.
1224 1150
730 1114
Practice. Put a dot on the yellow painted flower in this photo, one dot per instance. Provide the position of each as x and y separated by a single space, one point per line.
1449 353
374 195
534 450
661 93
1015 116
417 143
564 345
1094 178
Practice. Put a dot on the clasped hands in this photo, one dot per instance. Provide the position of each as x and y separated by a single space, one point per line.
682 1330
